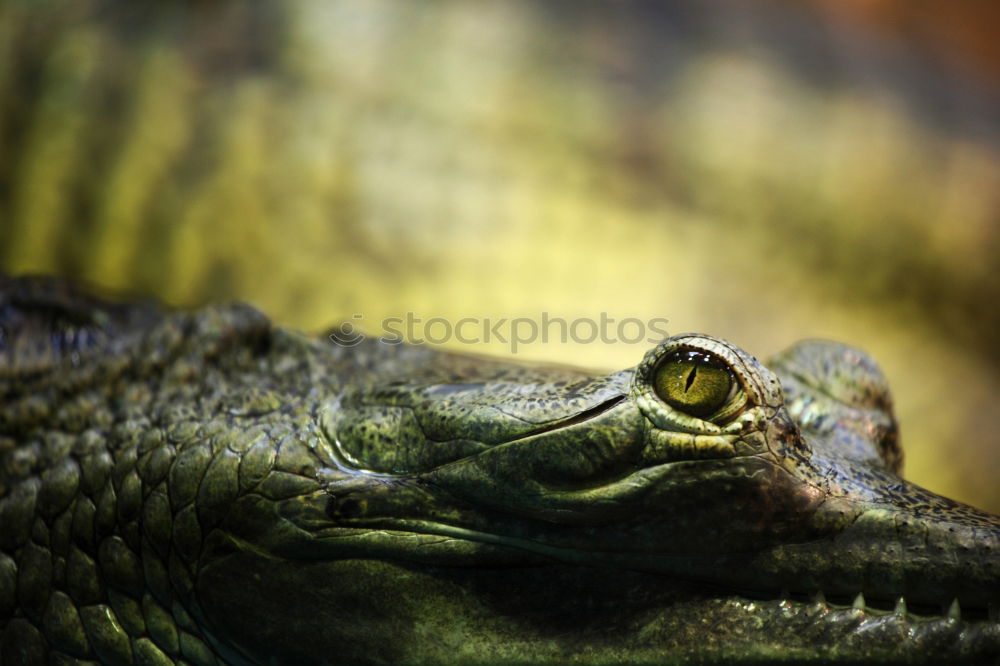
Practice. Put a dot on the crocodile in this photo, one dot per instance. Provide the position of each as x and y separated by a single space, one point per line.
204 487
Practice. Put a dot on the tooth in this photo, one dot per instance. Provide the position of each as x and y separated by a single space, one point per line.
819 598
993 611
859 601
900 606
954 610
785 594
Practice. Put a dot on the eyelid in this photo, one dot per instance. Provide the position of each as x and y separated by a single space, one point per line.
756 391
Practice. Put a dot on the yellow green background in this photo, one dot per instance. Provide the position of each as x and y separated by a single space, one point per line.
749 170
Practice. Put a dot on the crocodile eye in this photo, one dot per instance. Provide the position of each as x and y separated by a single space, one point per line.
694 382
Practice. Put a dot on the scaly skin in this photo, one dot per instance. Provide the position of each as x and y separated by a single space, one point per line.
205 488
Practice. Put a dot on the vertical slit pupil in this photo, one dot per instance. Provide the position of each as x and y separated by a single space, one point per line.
690 378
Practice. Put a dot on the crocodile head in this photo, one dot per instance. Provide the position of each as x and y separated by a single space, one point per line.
699 493
206 488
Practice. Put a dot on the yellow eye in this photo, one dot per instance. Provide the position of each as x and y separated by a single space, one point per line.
694 382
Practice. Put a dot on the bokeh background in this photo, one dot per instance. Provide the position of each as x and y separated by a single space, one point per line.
763 171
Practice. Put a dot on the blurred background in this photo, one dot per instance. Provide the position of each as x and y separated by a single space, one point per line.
763 171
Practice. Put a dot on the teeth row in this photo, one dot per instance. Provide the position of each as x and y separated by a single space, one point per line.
952 611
